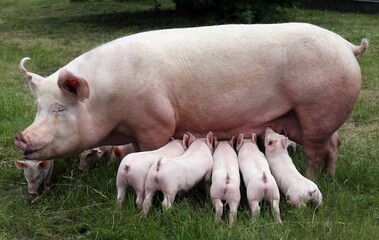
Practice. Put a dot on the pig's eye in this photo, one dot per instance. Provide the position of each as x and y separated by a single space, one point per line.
57 108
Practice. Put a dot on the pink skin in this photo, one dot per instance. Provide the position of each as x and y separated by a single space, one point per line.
135 166
171 175
297 189
36 173
225 179
259 182
164 83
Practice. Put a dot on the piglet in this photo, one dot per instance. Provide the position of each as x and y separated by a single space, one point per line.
171 175
36 173
297 189
135 166
119 152
89 157
259 182
225 179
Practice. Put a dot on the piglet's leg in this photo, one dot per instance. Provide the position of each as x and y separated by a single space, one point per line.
139 200
219 208
121 194
147 202
207 183
276 211
168 200
255 208
233 206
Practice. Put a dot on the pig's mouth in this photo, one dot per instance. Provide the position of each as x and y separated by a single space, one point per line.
29 153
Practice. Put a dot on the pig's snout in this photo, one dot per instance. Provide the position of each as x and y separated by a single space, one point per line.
21 142
32 191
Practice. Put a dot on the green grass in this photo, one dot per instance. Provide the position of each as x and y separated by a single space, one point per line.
83 205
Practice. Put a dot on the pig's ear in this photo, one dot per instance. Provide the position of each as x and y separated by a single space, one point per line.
117 152
34 78
73 85
240 138
20 164
185 142
45 164
284 142
254 138
210 140
191 139
232 141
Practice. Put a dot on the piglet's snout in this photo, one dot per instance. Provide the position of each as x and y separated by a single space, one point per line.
21 142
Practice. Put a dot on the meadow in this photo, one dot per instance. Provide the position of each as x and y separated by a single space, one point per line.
82 205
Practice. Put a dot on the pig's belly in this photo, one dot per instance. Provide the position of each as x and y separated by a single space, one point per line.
287 124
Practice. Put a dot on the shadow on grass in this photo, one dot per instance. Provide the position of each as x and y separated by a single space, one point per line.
147 19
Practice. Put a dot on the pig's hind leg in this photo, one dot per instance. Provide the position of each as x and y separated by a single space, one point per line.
148 201
139 199
255 208
219 207
169 198
276 211
233 206
319 139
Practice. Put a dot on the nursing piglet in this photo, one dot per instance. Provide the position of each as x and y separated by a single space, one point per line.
297 189
225 179
259 182
134 167
119 152
89 157
36 173
171 175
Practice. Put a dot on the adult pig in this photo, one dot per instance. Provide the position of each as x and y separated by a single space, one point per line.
299 79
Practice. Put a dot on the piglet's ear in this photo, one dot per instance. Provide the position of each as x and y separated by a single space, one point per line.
210 140
192 138
45 164
240 141
254 138
73 85
20 164
231 141
117 152
284 142
186 138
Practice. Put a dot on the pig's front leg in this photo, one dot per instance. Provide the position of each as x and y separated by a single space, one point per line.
158 129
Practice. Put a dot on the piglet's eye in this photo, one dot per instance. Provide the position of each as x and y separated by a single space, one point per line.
58 108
